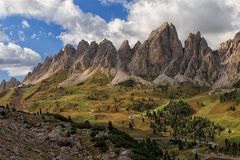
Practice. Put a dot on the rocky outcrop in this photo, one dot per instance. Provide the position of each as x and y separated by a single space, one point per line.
62 61
125 55
160 59
199 62
13 82
42 137
230 63
87 58
157 52
106 55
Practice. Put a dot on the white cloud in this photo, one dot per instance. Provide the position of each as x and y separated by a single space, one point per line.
25 24
4 37
218 20
50 34
33 36
17 61
21 36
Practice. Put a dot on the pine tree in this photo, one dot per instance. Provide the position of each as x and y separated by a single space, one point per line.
40 111
196 156
110 126
130 126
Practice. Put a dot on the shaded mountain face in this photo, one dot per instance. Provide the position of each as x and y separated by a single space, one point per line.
13 82
160 59
199 62
230 62
157 52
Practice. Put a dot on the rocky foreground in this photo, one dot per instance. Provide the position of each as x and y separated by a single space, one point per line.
39 137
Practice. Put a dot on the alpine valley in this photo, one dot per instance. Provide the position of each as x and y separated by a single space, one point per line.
159 99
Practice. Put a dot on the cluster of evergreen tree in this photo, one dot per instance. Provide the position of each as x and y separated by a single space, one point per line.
151 147
229 96
232 108
183 144
237 84
230 148
142 104
178 115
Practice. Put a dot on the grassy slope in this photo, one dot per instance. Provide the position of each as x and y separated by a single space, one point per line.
73 101
217 112
6 98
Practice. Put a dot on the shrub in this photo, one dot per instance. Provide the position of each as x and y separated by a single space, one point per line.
98 128
128 83
58 117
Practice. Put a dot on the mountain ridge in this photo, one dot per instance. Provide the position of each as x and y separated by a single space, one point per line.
160 59
13 82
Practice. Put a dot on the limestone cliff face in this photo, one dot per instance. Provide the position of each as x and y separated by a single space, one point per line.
199 62
157 52
230 62
106 55
62 61
161 58
125 55
88 55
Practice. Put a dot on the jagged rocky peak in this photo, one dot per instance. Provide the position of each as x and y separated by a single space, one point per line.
125 54
13 82
106 44
156 53
229 47
237 36
199 61
230 53
82 47
196 45
69 50
125 44
165 40
106 55
88 54
3 85
136 46
160 58
164 27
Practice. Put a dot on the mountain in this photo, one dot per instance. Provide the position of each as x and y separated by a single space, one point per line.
230 62
160 59
13 82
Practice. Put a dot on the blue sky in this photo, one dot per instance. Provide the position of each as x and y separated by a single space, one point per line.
30 30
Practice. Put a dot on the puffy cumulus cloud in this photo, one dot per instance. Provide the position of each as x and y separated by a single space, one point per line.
25 24
218 20
62 12
17 61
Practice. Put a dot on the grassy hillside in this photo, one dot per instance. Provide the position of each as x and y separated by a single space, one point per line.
127 104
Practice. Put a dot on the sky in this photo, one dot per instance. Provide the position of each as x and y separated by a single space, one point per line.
31 30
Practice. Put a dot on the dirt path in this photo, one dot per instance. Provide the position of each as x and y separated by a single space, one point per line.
206 156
